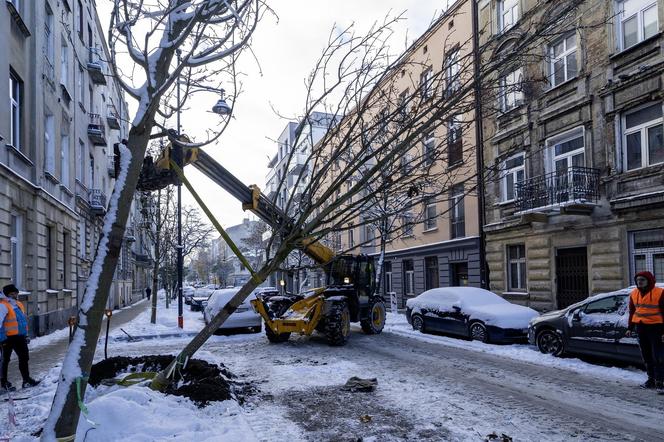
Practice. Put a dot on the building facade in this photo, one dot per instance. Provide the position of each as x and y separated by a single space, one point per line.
574 154
443 248
63 114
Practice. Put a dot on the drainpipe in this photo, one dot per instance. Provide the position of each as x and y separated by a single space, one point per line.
479 150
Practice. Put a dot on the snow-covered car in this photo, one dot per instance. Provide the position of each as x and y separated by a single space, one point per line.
244 316
188 293
200 296
471 312
596 326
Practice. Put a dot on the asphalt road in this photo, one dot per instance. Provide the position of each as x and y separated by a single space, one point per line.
433 392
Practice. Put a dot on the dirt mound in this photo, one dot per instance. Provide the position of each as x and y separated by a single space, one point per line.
200 381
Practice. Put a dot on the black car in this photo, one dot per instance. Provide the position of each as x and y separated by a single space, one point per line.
596 326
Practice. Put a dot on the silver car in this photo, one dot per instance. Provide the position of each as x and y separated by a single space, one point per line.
244 318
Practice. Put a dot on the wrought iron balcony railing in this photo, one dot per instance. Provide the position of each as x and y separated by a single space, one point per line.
97 130
574 186
97 201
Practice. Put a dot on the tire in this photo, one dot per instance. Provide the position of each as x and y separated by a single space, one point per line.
256 329
337 325
275 338
550 342
478 332
417 321
375 323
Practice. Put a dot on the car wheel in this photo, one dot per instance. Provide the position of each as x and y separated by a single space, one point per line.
478 332
418 322
550 342
374 324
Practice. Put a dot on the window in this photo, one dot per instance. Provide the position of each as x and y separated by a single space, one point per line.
48 35
403 107
66 247
430 215
91 99
91 173
79 19
408 277
15 103
64 160
388 277
16 240
562 64
426 84
81 85
608 305
457 212
648 252
516 267
637 21
429 148
509 89
407 224
452 81
567 150
81 239
49 145
50 256
81 156
431 280
351 238
454 141
514 172
369 234
64 64
508 14
642 138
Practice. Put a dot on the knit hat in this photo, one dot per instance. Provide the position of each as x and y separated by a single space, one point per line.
10 288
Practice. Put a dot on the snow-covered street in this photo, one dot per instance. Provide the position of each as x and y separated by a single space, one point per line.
429 388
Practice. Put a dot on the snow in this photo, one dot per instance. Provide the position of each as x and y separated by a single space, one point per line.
478 303
397 324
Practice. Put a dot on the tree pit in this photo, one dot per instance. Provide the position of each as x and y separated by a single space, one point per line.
199 381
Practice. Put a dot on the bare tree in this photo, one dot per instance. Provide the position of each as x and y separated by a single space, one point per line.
159 44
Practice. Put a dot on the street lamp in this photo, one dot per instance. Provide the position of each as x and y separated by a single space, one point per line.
221 108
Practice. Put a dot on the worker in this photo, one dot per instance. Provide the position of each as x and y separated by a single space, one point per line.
14 337
646 315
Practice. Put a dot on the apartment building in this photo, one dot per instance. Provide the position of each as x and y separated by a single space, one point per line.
442 248
575 152
64 114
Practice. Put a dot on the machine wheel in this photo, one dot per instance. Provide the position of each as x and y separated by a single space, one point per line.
337 325
376 321
275 338
478 332
550 342
417 322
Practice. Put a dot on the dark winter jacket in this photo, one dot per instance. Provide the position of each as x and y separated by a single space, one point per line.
651 285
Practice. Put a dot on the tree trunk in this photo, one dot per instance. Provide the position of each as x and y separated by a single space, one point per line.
157 256
164 378
63 418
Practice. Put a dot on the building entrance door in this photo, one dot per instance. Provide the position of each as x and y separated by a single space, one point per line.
571 276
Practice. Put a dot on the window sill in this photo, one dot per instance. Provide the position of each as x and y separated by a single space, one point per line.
635 47
65 94
433 229
51 177
20 155
66 190
558 87
516 294
82 107
16 16
504 203
455 165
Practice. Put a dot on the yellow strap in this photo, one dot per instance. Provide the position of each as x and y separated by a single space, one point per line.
214 221
135 378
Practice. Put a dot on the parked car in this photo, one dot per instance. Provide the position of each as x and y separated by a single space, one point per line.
188 293
471 312
244 316
200 296
596 326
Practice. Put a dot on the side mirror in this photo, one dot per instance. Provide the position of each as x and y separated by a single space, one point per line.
577 315
456 308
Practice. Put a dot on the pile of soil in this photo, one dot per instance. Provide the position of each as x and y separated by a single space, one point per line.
200 381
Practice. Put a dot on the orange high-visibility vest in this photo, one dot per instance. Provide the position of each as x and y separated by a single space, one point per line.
647 310
11 323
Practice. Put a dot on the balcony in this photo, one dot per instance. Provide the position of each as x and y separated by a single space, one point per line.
97 201
97 130
110 167
142 260
112 117
298 164
129 234
575 190
96 66
273 161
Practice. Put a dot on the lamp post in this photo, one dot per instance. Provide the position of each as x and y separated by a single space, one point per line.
220 108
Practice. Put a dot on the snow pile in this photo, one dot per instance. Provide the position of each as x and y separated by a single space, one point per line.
397 324
477 303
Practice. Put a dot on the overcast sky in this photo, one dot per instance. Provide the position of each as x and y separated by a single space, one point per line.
286 49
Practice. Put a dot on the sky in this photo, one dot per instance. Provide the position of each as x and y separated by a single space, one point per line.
285 50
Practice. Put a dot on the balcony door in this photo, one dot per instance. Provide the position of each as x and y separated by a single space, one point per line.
568 160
